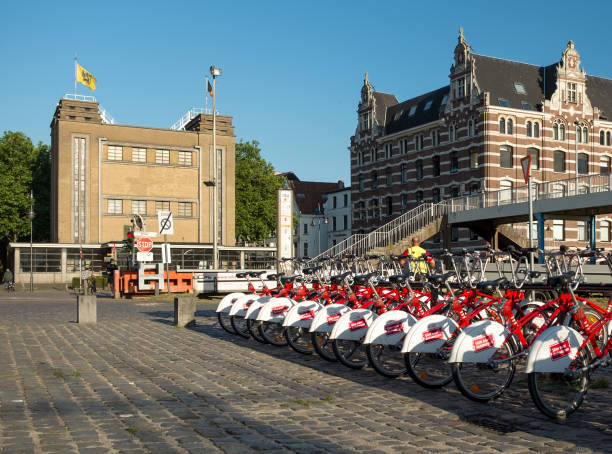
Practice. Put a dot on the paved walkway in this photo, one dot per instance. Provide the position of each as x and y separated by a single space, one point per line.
133 383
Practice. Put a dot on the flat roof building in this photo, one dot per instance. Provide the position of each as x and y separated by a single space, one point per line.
103 173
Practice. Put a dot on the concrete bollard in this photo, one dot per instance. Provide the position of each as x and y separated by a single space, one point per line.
184 311
87 309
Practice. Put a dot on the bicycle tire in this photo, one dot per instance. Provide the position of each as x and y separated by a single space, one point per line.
481 382
240 326
253 327
350 353
273 333
557 395
428 370
225 322
387 360
299 340
323 346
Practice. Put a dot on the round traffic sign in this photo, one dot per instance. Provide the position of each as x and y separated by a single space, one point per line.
144 244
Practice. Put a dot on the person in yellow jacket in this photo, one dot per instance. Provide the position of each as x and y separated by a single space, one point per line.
417 252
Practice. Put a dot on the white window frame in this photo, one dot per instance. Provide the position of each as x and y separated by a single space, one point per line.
139 207
558 230
572 90
185 158
182 209
162 156
114 206
115 153
139 155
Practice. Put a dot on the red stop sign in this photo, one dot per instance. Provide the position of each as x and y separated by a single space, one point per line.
144 244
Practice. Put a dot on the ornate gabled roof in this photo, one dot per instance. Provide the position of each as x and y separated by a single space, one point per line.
383 102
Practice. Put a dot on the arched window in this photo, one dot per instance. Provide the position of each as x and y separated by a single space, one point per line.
529 129
374 179
582 133
561 131
555 131
559 161
404 173
601 138
452 133
536 129
509 127
470 127
389 206
373 155
608 138
502 126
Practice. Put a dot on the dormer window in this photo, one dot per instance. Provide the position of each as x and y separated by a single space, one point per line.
519 88
444 100
571 92
412 111
428 105
503 102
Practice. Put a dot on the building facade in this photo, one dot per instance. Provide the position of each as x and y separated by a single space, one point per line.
337 209
311 221
470 135
102 174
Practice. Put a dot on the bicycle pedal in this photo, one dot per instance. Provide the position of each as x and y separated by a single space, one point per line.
310 346
423 375
475 388
278 339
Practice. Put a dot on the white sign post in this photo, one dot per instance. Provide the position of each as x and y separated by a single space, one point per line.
284 223
165 225
526 165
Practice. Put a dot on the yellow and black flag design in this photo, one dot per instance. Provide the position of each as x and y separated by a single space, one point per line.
85 77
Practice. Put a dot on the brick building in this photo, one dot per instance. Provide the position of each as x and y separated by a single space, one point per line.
470 135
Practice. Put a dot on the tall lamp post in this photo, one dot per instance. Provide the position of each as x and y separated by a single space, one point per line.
322 220
215 72
31 215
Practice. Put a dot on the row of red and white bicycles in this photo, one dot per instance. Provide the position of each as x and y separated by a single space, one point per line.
453 325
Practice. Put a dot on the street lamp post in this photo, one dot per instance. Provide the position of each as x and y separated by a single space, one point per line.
322 220
183 257
31 215
215 72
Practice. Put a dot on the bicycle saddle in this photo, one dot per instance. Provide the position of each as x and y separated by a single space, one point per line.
289 279
256 273
438 279
397 279
311 269
241 275
491 286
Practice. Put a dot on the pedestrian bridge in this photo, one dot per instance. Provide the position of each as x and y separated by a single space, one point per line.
574 198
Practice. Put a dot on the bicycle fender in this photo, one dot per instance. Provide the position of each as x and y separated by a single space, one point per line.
478 342
228 300
428 334
241 305
253 310
274 311
389 328
554 350
327 317
353 325
302 314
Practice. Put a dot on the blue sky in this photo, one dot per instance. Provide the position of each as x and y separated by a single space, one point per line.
292 71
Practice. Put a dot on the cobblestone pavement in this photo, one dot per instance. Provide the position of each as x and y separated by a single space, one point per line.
133 383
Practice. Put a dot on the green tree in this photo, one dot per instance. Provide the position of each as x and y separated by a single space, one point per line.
256 186
41 185
17 156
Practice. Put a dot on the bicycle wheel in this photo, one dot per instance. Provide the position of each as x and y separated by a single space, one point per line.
323 346
428 369
558 395
593 317
299 339
253 327
482 382
240 326
273 333
387 360
350 353
224 321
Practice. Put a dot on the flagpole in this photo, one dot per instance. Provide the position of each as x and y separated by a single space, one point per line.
75 75
206 96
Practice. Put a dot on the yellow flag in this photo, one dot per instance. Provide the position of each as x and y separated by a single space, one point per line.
85 77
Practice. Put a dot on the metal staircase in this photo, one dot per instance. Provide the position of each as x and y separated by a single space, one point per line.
424 220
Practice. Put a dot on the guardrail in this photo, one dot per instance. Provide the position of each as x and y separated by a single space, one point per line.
586 184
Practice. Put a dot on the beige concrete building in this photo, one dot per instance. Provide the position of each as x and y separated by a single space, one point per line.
103 173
